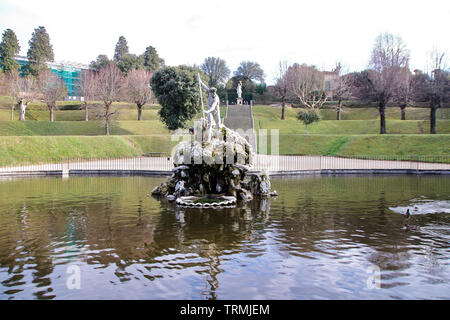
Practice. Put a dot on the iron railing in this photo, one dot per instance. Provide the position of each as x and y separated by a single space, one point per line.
270 163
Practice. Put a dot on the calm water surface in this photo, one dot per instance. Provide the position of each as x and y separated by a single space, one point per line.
320 239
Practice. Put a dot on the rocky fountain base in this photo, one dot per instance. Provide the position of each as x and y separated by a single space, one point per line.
213 173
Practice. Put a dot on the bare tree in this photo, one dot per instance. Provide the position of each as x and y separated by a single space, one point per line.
109 86
250 70
52 89
307 84
342 89
3 84
137 88
24 90
282 84
439 85
88 89
404 94
217 71
389 58
8 86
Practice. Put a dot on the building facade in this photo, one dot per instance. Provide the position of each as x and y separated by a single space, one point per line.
330 79
70 73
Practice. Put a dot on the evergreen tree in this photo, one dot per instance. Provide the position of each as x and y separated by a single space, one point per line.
129 62
9 47
40 51
101 61
152 61
121 49
176 89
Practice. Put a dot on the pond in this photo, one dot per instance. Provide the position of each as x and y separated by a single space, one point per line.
323 237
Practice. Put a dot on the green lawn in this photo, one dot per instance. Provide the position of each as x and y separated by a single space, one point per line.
291 126
371 146
72 111
71 128
26 150
78 115
126 112
274 113
70 137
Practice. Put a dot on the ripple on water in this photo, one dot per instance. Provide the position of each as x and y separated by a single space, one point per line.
316 240
424 207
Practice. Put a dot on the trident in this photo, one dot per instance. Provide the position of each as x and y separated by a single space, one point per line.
201 95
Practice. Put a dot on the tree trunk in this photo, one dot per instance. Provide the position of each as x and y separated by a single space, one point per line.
22 108
139 112
403 109
107 127
382 110
106 117
12 112
306 129
51 114
433 120
339 109
282 108
86 112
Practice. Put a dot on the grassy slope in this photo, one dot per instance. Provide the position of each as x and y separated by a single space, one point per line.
356 137
60 128
274 113
70 128
77 115
345 138
291 126
73 111
70 111
371 146
23 150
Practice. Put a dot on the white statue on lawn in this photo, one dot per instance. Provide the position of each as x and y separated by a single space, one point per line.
213 110
239 89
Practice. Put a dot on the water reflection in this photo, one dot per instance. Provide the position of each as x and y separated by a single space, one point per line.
315 240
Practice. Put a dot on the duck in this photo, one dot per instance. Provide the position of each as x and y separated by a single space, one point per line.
407 226
411 227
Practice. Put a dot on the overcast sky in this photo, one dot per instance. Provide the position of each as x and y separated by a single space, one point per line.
185 32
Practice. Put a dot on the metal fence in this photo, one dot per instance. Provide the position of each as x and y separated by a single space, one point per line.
273 163
270 163
162 164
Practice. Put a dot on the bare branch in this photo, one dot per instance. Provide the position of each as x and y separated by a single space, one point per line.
109 86
307 84
137 88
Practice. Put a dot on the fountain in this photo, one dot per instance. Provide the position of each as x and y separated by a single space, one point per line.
211 170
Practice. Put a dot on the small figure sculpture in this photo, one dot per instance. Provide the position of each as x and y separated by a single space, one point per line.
213 110
239 89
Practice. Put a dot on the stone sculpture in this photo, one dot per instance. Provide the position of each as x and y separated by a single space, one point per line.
214 164
239 89
213 109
